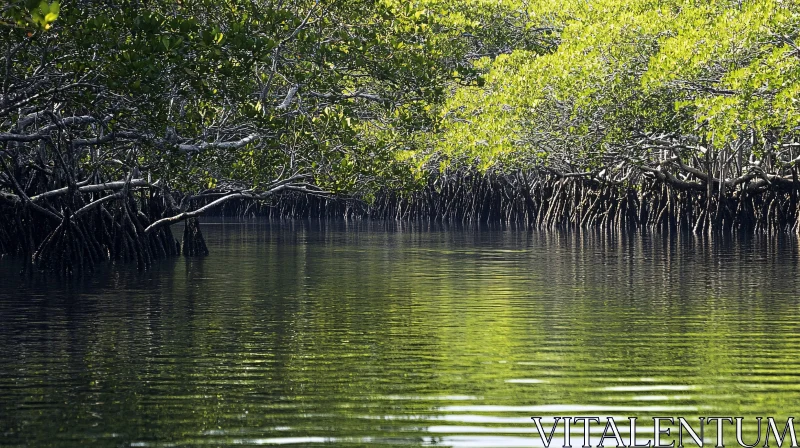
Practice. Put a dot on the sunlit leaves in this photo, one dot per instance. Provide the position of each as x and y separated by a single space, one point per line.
711 70
30 14
44 14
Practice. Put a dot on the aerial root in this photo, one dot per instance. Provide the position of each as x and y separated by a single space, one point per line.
193 242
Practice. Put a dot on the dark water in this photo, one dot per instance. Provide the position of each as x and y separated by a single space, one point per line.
361 335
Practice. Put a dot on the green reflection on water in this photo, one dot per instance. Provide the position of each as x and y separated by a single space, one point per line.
366 335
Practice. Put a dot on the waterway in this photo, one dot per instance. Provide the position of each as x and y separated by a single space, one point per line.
374 334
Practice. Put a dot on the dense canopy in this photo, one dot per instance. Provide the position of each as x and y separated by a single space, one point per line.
702 96
118 118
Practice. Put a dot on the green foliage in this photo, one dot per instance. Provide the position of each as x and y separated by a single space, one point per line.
30 15
337 90
714 73
366 94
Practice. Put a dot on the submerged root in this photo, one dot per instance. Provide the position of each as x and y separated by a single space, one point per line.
66 250
552 201
193 242
116 228
76 244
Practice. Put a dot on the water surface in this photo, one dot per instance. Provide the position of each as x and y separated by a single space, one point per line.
303 334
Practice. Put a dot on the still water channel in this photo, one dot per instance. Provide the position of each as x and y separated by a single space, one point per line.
300 334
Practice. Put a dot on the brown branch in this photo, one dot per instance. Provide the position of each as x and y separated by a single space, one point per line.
86 208
10 198
23 101
83 187
286 184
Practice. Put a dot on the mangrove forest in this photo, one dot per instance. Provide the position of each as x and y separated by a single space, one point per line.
120 119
